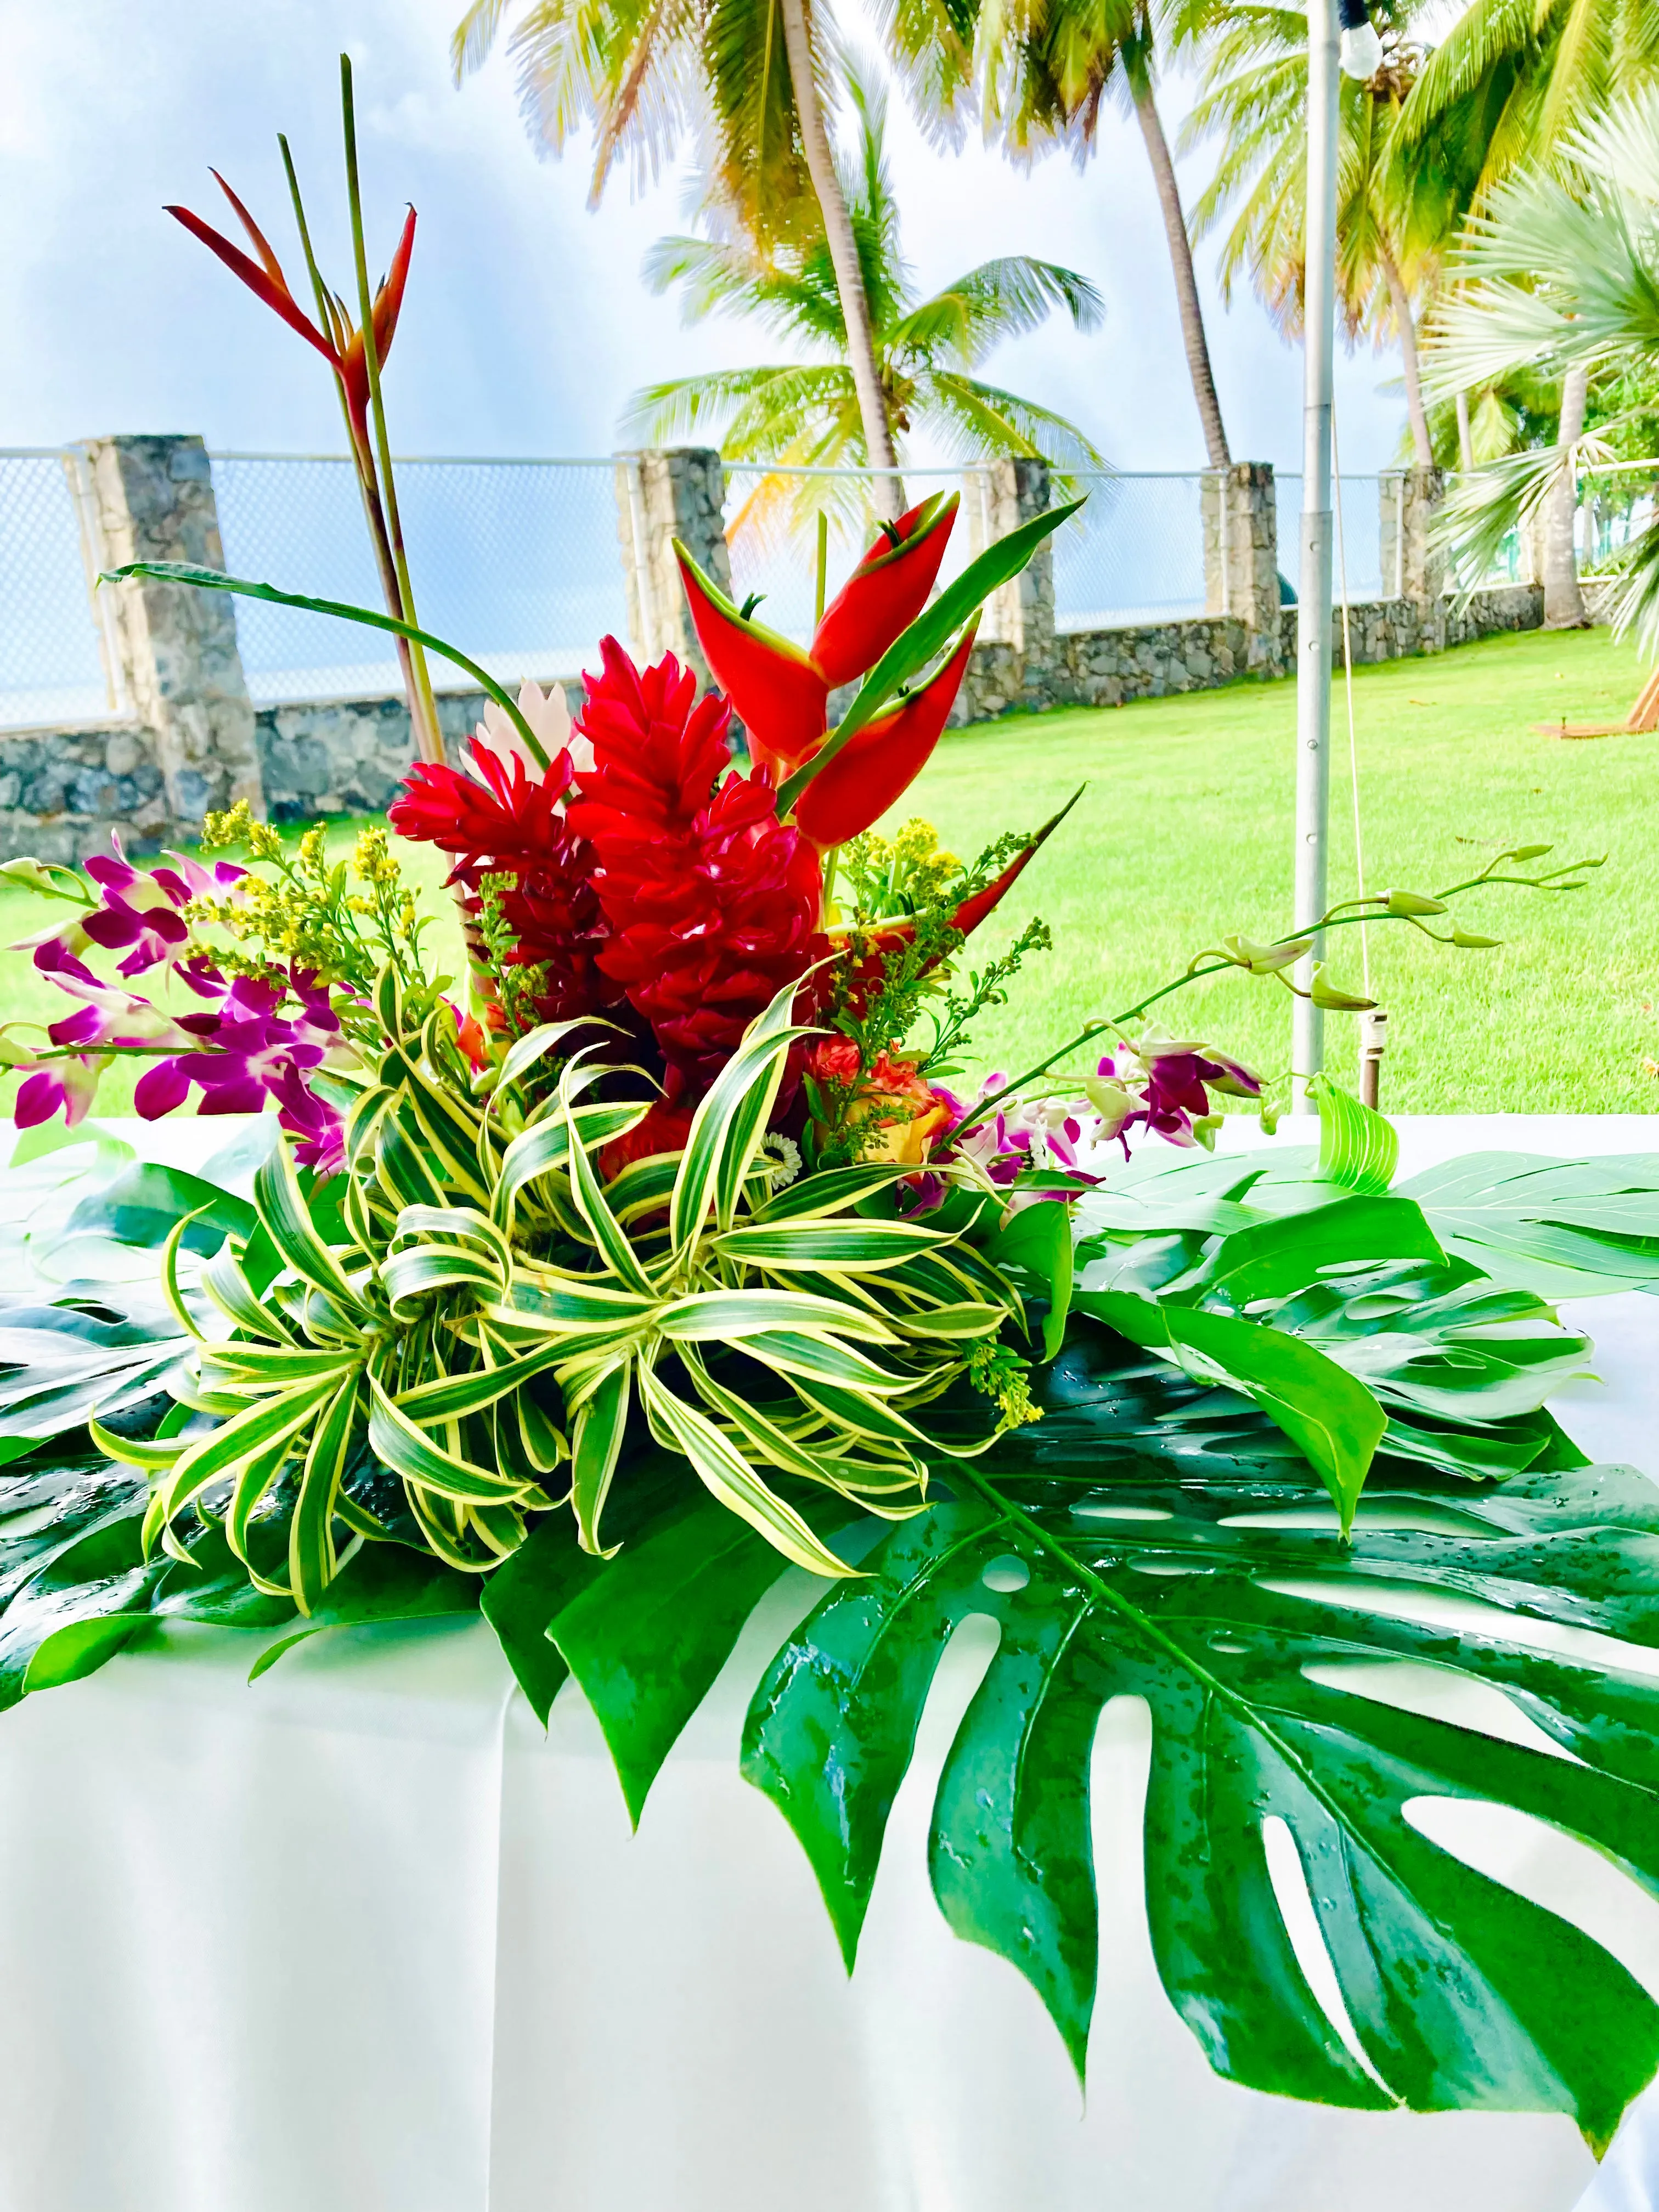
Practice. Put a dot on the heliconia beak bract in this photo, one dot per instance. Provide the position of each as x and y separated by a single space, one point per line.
885 592
879 763
265 280
778 693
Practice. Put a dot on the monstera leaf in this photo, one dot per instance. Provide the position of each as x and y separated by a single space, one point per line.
1249 1340
1210 1582
1566 1229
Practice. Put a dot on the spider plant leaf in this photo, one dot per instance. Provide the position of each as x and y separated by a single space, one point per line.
595 1449
729 1122
313 1560
746 1317
409 1451
851 1246
831 1191
228 1287
287 1222
728 1477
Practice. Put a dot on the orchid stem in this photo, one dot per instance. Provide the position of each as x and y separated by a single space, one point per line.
428 735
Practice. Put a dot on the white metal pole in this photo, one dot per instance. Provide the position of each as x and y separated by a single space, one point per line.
1313 640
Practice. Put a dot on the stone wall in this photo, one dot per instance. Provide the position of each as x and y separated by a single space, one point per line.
349 755
196 742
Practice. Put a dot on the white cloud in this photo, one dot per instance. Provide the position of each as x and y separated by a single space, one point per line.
527 326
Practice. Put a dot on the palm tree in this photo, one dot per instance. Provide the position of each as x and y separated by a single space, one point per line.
758 70
1558 279
806 414
1395 217
1525 79
1041 74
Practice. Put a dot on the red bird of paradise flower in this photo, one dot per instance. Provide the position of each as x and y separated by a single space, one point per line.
341 344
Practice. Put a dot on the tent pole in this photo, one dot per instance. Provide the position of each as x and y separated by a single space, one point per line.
1312 642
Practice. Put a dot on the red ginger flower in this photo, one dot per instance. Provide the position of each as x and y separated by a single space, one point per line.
512 822
713 905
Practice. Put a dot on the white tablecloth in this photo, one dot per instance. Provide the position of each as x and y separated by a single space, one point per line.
362 1939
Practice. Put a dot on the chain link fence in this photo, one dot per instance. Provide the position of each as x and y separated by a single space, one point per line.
1134 556
518 560
1360 545
53 667
515 560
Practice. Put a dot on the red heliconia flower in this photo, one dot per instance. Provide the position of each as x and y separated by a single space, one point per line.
507 821
713 905
342 353
879 763
781 693
885 592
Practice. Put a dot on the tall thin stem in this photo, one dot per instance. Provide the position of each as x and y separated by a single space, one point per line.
362 460
429 736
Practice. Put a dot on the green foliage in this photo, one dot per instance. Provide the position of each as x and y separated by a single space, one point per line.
1171 1511
1562 274
927 350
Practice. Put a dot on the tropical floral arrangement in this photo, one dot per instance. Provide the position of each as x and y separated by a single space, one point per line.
656 1258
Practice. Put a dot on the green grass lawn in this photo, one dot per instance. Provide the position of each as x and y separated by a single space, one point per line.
1184 833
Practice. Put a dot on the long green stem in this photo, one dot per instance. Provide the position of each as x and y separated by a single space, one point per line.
1336 919
362 461
430 737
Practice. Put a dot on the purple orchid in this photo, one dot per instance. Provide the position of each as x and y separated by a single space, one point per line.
141 912
70 1083
1174 1102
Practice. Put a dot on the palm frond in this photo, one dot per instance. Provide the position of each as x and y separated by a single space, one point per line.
999 300
981 422
474 37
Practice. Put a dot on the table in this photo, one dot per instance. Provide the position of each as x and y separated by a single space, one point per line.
362 1939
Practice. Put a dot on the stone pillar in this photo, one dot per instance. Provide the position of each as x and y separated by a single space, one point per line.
1240 508
1413 568
152 500
1021 614
679 493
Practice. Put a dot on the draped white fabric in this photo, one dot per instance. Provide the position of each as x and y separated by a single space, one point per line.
362 1939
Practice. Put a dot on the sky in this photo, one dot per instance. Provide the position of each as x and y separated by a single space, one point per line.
527 322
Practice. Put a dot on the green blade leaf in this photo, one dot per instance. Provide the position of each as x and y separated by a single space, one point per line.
1328 1413
1037 1242
145 1204
214 579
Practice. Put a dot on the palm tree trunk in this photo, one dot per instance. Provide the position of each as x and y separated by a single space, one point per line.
1422 444
1465 435
1181 260
844 259
1564 602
